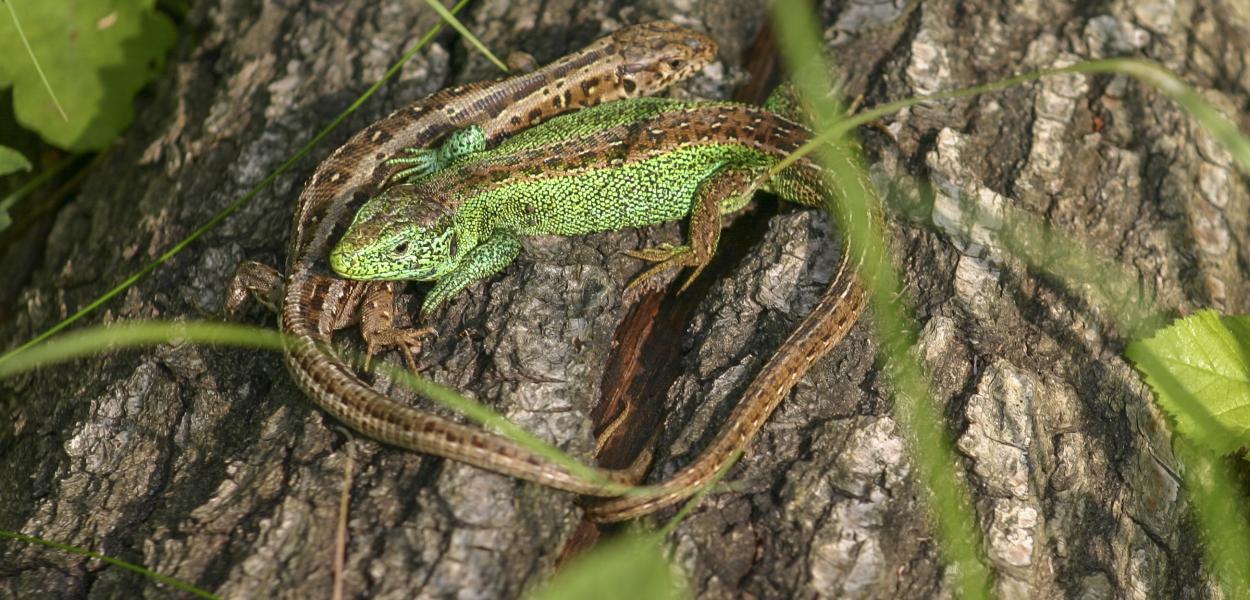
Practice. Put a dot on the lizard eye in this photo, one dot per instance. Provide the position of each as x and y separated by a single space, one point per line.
401 249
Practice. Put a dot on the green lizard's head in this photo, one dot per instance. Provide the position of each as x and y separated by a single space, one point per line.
398 235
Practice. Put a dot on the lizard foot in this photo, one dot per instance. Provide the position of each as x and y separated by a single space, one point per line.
416 162
419 162
409 341
253 280
667 257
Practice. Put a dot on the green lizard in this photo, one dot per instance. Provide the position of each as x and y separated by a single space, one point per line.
624 164
631 163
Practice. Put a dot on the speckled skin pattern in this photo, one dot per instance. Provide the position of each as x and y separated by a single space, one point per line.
633 61
626 164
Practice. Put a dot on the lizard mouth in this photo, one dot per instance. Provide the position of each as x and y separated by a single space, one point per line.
350 266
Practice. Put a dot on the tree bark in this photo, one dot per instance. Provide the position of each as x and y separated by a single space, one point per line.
209 465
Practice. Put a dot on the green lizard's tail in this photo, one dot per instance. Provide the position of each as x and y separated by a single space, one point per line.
801 182
785 102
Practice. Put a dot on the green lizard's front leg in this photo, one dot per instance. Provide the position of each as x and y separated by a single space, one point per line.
484 260
423 161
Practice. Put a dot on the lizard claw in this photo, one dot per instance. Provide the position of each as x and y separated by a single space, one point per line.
668 257
410 341
661 253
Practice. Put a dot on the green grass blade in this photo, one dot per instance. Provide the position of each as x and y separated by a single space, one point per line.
1220 509
150 574
932 448
1107 285
464 32
490 419
630 566
1120 297
699 495
92 340
1223 515
1117 294
1223 130
1215 123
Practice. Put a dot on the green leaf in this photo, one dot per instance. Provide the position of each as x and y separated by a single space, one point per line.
625 568
80 551
96 55
1199 368
12 161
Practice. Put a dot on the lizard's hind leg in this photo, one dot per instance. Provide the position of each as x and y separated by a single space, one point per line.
725 191
254 280
332 306
377 326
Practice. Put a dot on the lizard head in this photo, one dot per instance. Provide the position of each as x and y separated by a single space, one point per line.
657 54
398 235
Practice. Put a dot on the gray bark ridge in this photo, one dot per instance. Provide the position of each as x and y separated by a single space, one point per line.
208 465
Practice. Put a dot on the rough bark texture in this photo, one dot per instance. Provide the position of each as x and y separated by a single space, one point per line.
207 464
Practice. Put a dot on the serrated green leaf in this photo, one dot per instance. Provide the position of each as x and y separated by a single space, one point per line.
1199 368
625 568
12 161
96 55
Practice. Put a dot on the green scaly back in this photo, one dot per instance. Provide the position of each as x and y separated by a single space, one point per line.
625 164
